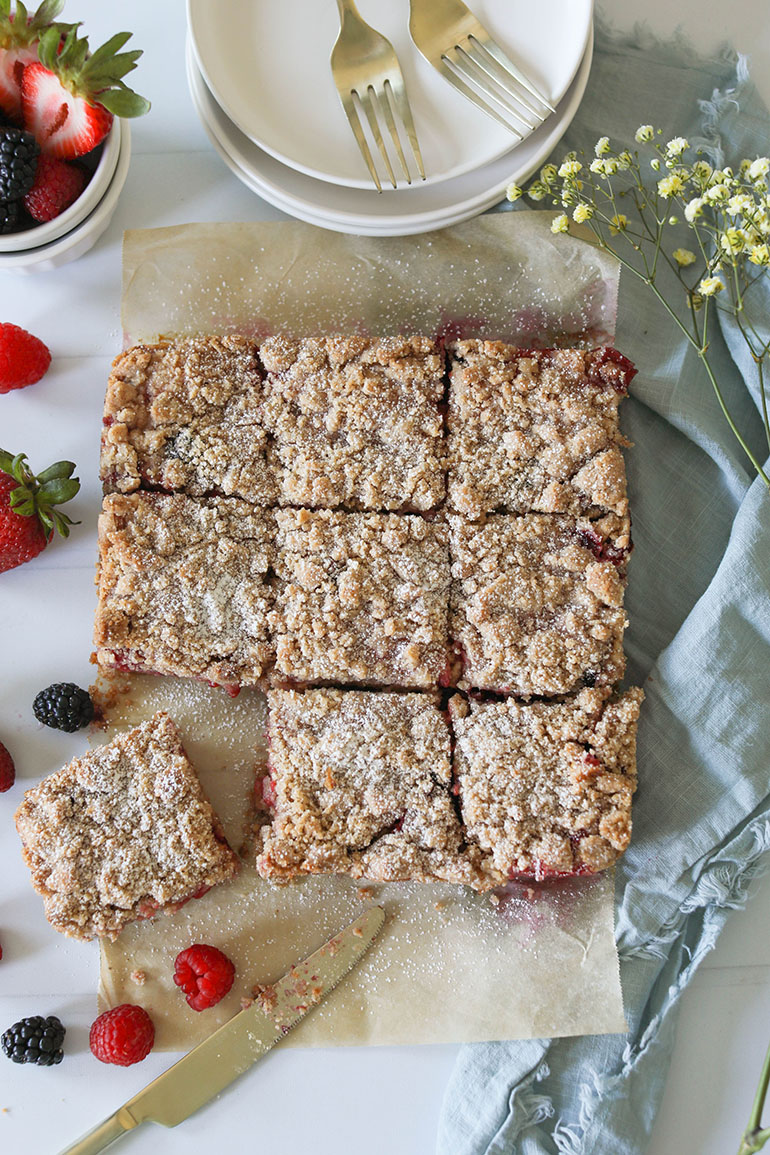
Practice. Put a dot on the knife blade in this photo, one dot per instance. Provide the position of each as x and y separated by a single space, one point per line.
210 1067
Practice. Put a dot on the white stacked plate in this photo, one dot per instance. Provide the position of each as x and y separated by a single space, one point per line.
260 81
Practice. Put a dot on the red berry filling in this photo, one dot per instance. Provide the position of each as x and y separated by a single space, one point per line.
607 365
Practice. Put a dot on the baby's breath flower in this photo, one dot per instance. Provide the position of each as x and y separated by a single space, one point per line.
702 171
570 167
548 174
759 168
619 223
655 164
740 203
514 192
693 209
684 257
717 194
625 160
560 224
602 146
644 134
537 191
732 241
673 220
760 255
709 286
605 165
582 212
677 146
669 186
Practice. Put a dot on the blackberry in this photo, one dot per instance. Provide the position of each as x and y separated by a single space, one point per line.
10 217
35 1040
64 706
18 163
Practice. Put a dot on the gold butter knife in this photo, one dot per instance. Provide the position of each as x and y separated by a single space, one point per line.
209 1068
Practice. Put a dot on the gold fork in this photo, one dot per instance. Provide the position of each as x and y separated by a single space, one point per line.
451 39
369 79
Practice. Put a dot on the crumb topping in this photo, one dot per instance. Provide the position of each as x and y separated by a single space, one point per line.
537 604
546 787
184 587
355 422
122 833
187 416
535 430
362 786
361 598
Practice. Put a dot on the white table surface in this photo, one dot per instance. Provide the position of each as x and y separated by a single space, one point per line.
380 1100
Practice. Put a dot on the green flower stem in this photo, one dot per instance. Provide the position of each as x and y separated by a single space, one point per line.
701 349
754 1137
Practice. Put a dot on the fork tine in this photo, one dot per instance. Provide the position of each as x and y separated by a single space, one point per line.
487 84
370 102
491 67
355 123
471 94
385 104
507 65
398 95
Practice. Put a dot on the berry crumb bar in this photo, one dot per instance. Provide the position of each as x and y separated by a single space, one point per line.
545 788
361 598
187 416
537 602
360 783
536 431
122 833
356 421
184 587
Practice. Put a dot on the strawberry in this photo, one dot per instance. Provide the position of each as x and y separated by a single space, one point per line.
57 185
27 516
23 358
19 34
70 95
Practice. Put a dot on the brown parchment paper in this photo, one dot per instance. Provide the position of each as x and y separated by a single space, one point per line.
451 966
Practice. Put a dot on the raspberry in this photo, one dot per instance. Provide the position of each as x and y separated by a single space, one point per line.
57 185
124 1035
23 358
7 773
64 706
204 974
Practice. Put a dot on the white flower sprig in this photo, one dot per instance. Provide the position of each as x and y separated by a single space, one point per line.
728 213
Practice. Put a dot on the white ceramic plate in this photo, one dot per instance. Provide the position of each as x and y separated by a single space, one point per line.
266 62
414 210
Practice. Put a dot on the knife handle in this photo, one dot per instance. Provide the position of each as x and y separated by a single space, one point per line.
102 1135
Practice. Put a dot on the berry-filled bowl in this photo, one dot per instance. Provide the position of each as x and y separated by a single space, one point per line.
94 207
96 171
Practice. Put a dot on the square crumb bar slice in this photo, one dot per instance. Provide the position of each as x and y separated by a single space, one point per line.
361 784
184 587
122 833
545 788
537 602
186 416
361 598
535 431
356 421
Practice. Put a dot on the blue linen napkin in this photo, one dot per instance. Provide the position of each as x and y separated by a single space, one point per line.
699 642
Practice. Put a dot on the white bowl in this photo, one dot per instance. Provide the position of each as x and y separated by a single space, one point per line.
82 235
97 186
